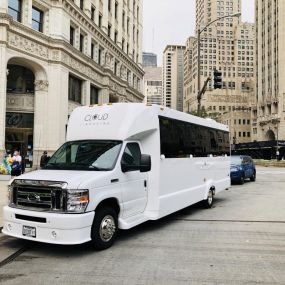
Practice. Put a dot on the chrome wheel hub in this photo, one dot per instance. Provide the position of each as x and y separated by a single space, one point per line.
107 228
210 197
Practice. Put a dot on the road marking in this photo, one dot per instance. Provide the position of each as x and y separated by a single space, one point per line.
13 256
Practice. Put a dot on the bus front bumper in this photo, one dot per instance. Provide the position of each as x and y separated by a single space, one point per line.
51 228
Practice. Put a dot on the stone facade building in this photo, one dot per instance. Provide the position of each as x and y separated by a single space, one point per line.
173 76
153 85
270 71
56 55
229 46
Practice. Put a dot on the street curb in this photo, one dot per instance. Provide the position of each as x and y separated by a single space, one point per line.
269 163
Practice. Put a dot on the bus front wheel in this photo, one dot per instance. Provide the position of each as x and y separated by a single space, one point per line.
104 228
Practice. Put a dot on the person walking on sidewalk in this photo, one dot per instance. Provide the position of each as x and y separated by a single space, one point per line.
16 167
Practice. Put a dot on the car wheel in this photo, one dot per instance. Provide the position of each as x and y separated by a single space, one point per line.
241 182
208 203
253 177
104 229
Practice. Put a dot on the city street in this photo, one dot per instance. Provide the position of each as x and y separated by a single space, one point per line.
241 240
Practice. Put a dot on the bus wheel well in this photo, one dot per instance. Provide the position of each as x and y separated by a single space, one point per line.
110 202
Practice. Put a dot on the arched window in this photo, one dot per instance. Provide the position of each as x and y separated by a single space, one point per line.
20 80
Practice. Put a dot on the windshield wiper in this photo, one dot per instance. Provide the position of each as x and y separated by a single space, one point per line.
53 164
97 168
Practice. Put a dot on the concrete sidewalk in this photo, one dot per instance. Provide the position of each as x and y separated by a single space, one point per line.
3 199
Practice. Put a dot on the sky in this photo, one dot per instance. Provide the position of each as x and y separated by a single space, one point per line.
173 21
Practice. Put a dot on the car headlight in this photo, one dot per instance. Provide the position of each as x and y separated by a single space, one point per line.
77 201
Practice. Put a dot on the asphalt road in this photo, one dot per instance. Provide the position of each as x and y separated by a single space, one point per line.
241 240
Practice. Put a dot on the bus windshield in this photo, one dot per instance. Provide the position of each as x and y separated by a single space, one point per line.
93 155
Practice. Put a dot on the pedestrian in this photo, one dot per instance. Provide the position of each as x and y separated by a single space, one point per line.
44 159
16 166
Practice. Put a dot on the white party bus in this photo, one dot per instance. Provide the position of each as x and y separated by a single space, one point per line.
122 164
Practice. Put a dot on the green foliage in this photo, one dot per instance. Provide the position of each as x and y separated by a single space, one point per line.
202 114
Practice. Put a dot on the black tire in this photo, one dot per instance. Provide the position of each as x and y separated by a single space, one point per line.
253 177
241 182
104 229
208 203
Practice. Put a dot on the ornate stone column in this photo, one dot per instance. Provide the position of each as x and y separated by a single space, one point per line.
40 117
104 96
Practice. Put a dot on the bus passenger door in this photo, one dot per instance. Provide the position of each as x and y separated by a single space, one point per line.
133 182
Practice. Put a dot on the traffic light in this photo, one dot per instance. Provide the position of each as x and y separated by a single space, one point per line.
218 79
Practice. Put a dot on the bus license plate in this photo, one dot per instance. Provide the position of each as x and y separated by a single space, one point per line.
29 231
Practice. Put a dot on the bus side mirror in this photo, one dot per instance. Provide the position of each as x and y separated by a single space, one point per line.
145 164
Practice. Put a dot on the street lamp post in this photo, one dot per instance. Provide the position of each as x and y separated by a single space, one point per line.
199 97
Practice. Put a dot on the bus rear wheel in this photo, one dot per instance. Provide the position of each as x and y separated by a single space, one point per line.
208 203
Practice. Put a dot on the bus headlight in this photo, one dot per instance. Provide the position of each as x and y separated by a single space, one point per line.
77 201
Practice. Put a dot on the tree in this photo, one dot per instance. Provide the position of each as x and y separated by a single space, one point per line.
202 114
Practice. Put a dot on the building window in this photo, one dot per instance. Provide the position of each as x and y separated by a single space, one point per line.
100 21
74 89
81 4
20 80
128 25
109 5
92 13
100 56
109 30
116 37
37 19
123 20
92 50
115 67
15 9
71 35
81 44
94 95
116 10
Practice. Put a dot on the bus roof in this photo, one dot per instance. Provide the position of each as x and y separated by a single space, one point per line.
125 121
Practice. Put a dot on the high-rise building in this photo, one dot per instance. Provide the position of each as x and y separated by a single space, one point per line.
153 85
57 55
149 59
173 76
270 71
228 46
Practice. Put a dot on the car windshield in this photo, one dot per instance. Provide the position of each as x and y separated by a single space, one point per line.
93 155
236 160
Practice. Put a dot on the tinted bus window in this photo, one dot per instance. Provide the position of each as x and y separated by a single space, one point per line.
182 139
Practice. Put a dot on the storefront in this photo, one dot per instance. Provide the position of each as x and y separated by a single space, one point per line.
19 134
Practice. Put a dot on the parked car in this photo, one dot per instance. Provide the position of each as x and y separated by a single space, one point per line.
242 167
